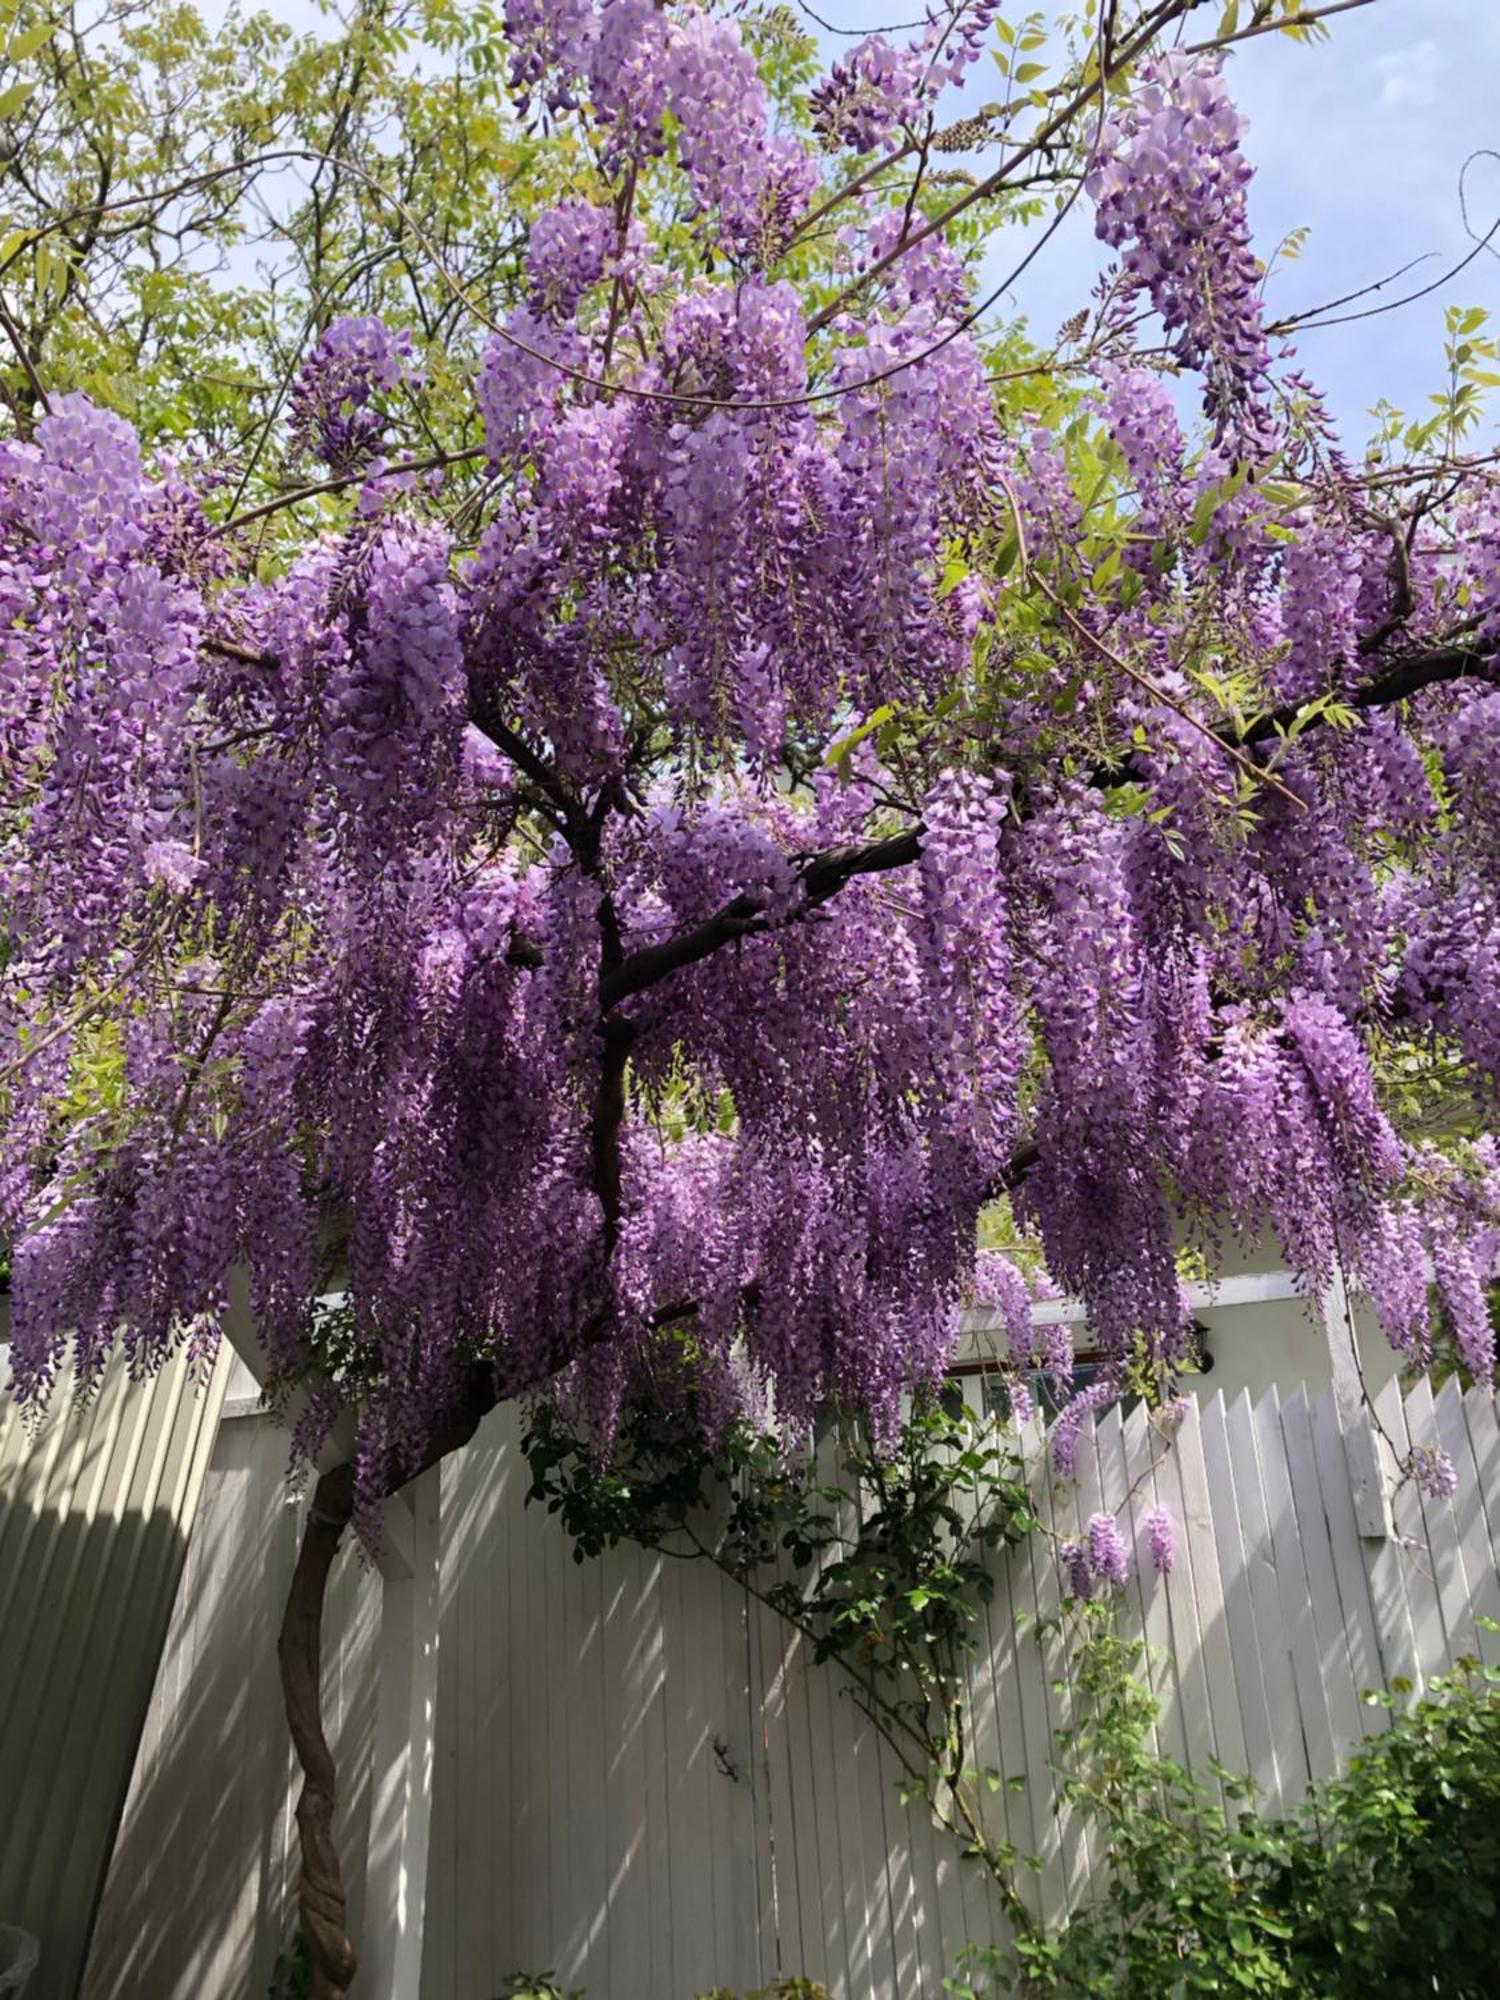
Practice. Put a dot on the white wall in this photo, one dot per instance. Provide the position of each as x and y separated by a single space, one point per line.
645 1785
199 1899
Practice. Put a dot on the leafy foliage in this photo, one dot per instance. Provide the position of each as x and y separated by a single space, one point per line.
882 1567
1386 1881
292 1974
886 1563
537 1986
781 1989
191 199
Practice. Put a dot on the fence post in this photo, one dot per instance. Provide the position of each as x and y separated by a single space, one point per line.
1372 1512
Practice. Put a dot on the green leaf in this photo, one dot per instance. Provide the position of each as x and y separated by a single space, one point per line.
840 750
28 43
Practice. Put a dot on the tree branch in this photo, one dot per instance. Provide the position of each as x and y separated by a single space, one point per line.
532 764
823 875
1400 680
299 1652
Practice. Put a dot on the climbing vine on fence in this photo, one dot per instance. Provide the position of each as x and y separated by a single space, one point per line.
882 1569
1387 1880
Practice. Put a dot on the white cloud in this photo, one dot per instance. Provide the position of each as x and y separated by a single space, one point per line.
1411 75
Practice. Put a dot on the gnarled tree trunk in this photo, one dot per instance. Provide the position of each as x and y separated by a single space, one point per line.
300 1653
299 1650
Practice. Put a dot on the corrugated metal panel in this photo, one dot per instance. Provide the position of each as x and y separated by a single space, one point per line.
95 1508
200 1892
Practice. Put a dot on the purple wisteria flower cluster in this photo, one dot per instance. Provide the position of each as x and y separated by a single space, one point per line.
1169 190
880 89
632 953
1433 1470
333 411
870 95
1099 1560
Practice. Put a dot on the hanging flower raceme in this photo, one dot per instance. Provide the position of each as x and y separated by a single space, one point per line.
869 95
634 956
1169 190
333 410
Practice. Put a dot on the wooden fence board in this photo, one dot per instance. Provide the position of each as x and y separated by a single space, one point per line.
1418 1574
1256 1724
1465 1527
1354 1601
584 1821
1479 1502
1274 1639
1201 1549
1336 1673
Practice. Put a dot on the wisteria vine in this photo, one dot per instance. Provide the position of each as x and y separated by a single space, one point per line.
633 952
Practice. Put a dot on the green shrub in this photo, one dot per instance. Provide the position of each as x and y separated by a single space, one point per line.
1385 1883
784 1989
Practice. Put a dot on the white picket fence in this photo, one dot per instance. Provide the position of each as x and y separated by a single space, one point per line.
645 1786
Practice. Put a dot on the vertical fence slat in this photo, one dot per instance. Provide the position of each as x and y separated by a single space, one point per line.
1141 1448
1429 1632
1131 1510
1336 1674
1062 1872
1386 1561
1031 1691
1354 1599
1277 1674
1186 1640
774 1644
1475 1449
1464 1524
1208 1588
1441 1532
1239 1608
1092 1500
1294 1589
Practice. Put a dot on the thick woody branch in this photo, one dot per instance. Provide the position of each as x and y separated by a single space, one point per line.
618 1034
299 1649
532 764
823 875
1399 681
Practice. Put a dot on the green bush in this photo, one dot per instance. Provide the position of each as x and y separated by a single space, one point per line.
1385 1883
784 1989
542 1986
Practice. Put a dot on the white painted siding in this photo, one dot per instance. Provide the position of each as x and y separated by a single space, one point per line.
199 1897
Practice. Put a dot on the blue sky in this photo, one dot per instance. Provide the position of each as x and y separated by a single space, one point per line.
1360 139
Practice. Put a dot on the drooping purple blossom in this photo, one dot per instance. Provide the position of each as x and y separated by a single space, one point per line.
566 253
1077 1569
334 410
424 812
1161 1540
1433 1471
1109 1559
1071 1419
1169 190
869 95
